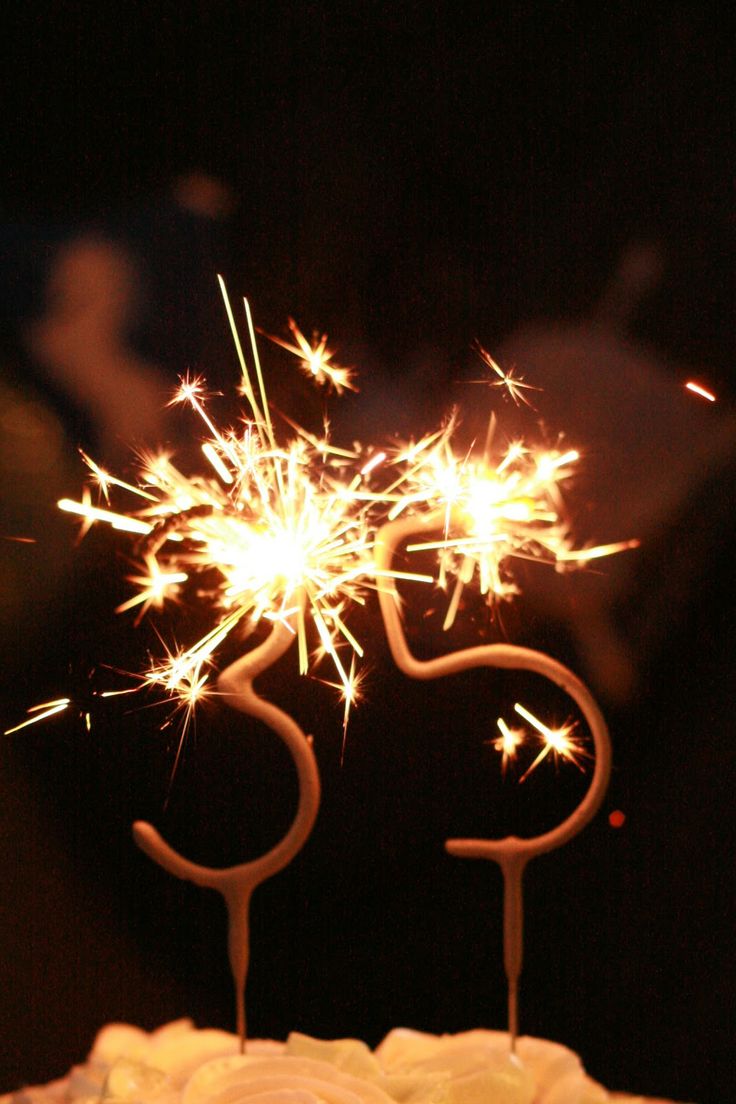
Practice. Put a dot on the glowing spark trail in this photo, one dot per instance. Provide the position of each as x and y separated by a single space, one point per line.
697 389
94 513
105 480
40 713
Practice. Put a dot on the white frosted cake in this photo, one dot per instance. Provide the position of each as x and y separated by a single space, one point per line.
178 1064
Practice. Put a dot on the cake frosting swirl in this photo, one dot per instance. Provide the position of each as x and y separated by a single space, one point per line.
179 1064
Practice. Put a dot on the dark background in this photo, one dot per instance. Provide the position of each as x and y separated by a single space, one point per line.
409 177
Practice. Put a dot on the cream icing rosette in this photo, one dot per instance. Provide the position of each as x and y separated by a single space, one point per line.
475 1067
180 1065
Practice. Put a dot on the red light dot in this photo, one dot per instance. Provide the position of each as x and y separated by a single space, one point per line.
617 819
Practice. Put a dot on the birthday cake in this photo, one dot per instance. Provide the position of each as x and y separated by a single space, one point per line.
178 1064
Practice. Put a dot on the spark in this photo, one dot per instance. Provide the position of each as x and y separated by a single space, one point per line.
597 552
185 681
156 587
558 742
105 480
213 456
123 522
507 743
351 693
41 713
192 390
698 389
316 359
515 385
374 462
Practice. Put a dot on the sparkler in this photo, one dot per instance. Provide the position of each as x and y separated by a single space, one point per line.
512 853
483 512
271 522
282 535
278 534
495 508
236 883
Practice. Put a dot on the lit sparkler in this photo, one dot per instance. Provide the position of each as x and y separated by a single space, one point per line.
511 853
271 522
283 534
496 509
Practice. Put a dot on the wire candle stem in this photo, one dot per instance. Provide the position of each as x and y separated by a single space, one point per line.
512 853
236 883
